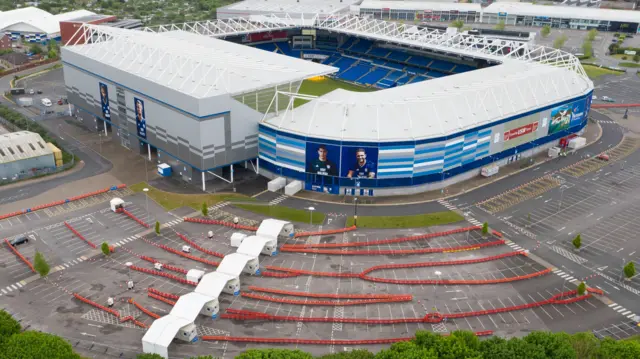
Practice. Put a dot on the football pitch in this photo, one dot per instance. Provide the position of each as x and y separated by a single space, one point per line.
321 86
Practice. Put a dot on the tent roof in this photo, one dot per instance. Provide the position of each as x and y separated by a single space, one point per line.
163 330
253 245
233 264
211 284
271 228
189 305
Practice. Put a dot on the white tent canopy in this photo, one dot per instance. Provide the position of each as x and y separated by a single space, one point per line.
189 305
161 333
273 228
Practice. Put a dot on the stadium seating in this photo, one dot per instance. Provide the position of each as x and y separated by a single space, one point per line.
355 72
287 50
441 65
374 76
344 63
398 56
462 68
420 61
379 52
267 47
361 46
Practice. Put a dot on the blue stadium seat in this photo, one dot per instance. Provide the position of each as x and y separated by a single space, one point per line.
374 76
462 68
379 52
344 63
355 72
403 80
395 65
284 47
379 62
441 65
347 44
435 74
394 75
361 46
267 47
384 83
419 61
398 56
418 78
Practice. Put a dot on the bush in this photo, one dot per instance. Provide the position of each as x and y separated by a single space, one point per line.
157 227
577 242
636 58
205 209
149 356
458 24
582 288
624 57
36 345
485 228
629 270
105 248
500 25
8 326
546 30
560 41
40 264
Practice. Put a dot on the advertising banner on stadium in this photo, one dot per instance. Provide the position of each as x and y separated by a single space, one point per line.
560 118
104 101
264 36
359 163
520 131
141 122
578 112
323 167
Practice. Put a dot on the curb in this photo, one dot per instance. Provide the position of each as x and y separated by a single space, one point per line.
79 166
448 196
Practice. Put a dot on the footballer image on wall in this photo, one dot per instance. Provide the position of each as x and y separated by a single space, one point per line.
560 118
141 122
104 101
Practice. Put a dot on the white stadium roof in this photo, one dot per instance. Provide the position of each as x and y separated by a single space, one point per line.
420 5
567 12
32 19
196 65
247 7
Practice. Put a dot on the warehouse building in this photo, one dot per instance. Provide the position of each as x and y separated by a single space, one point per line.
23 153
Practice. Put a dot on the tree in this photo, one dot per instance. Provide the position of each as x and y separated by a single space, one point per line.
354 354
157 227
105 248
149 356
274 353
546 31
458 24
37 345
8 326
587 48
559 41
500 26
485 228
555 345
40 264
52 54
202 357
585 345
35 49
629 270
591 35
636 58
577 242
205 209
582 288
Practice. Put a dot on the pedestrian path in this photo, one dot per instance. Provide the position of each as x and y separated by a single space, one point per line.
69 264
567 254
277 200
622 310
514 246
127 240
11 288
173 223
218 206
451 207
565 276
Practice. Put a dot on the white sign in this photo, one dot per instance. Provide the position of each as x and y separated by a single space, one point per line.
629 52
544 122
496 138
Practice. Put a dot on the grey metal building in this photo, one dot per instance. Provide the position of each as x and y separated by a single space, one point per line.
22 153
193 99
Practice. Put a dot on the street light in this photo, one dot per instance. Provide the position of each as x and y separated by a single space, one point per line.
146 194
435 297
311 209
561 195
355 211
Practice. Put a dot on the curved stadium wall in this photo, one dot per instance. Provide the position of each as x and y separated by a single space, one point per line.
413 166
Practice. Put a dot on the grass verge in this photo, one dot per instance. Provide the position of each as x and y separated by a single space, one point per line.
629 64
594 71
324 85
415 221
170 201
283 213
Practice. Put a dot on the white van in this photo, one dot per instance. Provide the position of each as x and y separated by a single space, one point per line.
46 102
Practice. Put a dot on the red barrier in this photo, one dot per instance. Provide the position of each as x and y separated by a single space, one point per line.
163 274
203 250
455 281
163 294
144 310
220 223
326 295
79 235
397 299
161 298
130 215
615 105
381 241
165 266
391 251
182 254
318 341
329 231
25 260
99 306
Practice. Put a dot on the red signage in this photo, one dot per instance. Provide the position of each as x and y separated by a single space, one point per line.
265 36
520 131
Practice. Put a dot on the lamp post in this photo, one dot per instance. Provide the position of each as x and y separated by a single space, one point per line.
146 195
561 195
311 209
435 289
355 211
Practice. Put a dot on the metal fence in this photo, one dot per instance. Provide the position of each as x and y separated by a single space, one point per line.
36 173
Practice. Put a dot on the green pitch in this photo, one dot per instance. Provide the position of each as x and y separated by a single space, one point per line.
319 87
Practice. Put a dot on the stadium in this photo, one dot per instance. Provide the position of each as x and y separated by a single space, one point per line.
345 104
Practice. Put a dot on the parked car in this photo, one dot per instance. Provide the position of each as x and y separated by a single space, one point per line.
603 156
19 240
39 92
607 99
46 102
594 97
31 92
60 101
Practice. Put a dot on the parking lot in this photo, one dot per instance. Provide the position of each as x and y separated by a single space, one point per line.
52 86
520 194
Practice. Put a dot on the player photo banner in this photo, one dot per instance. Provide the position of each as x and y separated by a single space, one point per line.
560 118
359 163
322 167
520 131
104 101
141 122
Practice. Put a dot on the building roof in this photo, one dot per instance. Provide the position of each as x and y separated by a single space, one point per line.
38 20
527 9
235 69
233 264
453 104
248 7
253 245
211 284
189 305
21 145
420 5
15 58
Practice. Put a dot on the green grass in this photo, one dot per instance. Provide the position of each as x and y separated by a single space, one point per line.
420 220
629 64
594 71
283 213
319 87
170 201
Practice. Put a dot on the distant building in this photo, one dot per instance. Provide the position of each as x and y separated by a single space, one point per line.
35 25
5 42
22 153
68 29
15 58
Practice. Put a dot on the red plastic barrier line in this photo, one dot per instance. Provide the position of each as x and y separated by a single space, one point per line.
325 302
279 275
160 298
381 241
182 254
102 307
318 341
130 215
297 272
79 235
144 310
165 266
455 281
329 231
595 290
392 251
203 250
219 223
25 260
163 274
163 294
325 295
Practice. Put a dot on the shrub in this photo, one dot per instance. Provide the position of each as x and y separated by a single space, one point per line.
105 248
40 264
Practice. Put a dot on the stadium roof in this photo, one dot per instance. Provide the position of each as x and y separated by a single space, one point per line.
37 20
184 61
433 108
312 7
567 12
420 5
21 145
